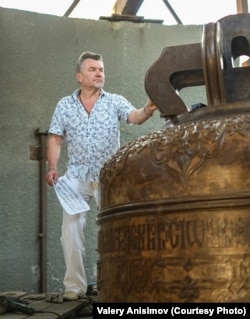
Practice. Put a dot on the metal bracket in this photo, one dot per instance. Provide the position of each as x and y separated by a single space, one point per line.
38 152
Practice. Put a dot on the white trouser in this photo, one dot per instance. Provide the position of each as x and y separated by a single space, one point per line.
73 240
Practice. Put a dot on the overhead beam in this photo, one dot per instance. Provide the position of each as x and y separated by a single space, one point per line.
119 6
129 7
132 7
126 10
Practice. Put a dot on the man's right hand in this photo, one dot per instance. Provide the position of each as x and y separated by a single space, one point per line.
52 176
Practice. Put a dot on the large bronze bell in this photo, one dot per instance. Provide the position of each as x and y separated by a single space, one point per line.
175 204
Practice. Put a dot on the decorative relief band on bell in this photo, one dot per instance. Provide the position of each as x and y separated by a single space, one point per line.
178 159
181 144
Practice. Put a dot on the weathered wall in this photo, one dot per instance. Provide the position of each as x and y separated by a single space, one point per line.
37 60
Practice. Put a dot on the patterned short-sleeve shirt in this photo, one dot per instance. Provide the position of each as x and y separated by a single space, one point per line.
91 139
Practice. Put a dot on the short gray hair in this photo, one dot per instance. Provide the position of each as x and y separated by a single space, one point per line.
87 55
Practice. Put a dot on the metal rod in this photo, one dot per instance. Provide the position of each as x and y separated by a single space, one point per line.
172 11
43 212
71 8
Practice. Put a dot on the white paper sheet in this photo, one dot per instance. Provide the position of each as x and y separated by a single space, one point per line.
69 197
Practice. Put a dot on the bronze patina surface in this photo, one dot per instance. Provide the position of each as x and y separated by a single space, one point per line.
175 204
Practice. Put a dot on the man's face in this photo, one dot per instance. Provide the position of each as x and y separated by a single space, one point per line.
92 74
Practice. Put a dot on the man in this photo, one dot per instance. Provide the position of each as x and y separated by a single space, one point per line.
89 121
